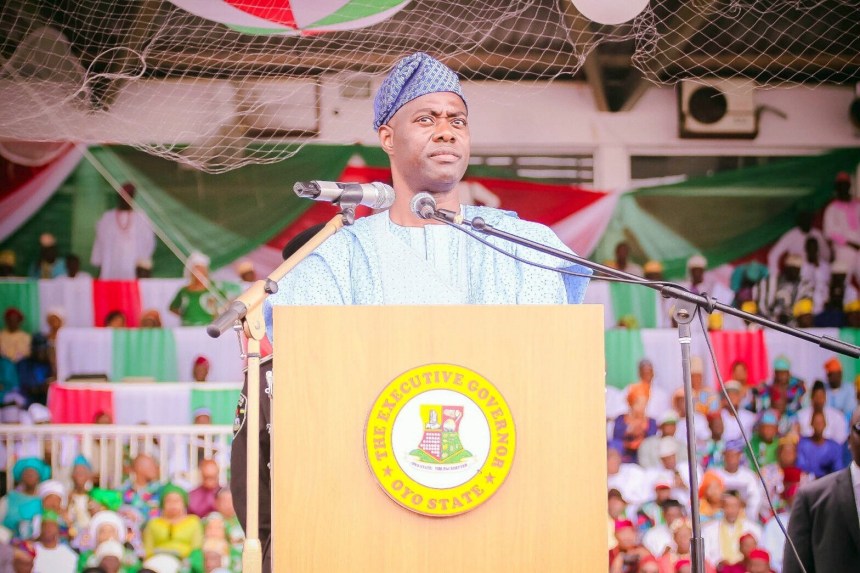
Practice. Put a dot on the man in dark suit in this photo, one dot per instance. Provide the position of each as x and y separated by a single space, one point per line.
825 519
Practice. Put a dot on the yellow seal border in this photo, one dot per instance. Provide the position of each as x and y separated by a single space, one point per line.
408 492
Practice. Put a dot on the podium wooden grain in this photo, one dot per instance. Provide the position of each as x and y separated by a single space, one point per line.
331 363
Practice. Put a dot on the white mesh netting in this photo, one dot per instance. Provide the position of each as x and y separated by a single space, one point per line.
218 84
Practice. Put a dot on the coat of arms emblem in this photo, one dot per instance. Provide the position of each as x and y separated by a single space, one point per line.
440 444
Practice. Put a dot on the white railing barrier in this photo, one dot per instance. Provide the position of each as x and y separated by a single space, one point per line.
109 448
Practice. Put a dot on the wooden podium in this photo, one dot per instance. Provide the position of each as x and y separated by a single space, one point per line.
331 514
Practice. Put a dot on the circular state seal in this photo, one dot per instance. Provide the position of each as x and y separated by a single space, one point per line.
440 440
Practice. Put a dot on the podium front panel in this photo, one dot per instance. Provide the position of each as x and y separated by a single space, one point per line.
330 512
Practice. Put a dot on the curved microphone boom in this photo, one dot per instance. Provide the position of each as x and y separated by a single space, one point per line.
375 195
423 205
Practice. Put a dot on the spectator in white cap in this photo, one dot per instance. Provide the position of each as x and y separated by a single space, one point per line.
626 478
48 265
109 556
790 288
54 496
667 424
197 302
107 533
671 471
738 477
696 266
731 430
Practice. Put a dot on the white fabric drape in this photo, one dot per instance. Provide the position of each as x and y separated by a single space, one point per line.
158 294
84 351
73 296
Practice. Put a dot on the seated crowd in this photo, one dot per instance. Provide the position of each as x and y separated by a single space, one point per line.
71 525
797 432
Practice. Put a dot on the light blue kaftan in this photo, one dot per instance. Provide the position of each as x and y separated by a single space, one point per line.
376 261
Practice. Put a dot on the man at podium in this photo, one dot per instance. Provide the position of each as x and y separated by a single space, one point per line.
395 257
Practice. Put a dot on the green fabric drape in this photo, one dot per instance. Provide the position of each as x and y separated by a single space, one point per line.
145 352
222 403
725 216
623 351
633 300
226 215
850 366
24 295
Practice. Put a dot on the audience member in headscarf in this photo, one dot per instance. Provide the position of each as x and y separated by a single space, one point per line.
197 302
739 478
115 319
15 344
658 398
711 490
200 370
839 395
79 498
107 527
764 441
628 553
22 504
174 531
54 497
49 265
632 428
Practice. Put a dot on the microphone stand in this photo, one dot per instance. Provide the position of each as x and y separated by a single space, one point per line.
245 314
684 313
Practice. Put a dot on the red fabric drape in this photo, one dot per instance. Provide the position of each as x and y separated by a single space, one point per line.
78 406
109 296
746 346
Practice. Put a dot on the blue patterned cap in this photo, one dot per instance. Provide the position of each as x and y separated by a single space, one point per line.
412 77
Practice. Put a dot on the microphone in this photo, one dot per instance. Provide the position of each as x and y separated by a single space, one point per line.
375 195
423 205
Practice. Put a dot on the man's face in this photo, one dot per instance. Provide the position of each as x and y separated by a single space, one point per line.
697 275
201 372
758 566
50 533
732 460
110 564
819 399
428 142
646 372
81 475
768 432
835 379
13 321
669 462
209 475
626 537
818 424
668 429
787 455
735 398
145 468
671 513
854 436
30 478
731 508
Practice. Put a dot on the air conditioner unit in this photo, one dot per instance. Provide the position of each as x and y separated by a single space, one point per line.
717 108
